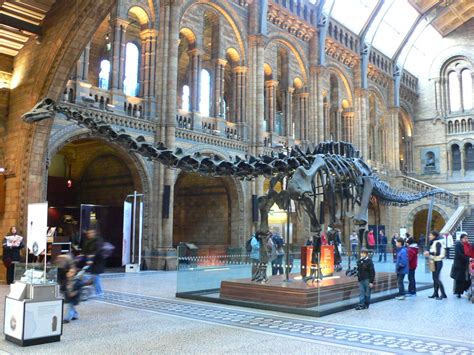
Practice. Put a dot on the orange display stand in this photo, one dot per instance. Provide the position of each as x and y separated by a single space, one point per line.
306 256
327 260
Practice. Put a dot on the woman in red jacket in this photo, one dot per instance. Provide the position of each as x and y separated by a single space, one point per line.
412 264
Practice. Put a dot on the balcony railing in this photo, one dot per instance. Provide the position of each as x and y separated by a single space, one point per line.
446 197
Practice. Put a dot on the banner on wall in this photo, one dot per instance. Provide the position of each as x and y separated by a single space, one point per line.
127 232
37 228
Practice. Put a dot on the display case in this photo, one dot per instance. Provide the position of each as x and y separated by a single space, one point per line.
34 273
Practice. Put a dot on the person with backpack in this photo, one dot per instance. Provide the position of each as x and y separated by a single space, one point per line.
277 263
93 251
436 254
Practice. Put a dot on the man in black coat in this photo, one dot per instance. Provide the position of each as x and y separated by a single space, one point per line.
460 268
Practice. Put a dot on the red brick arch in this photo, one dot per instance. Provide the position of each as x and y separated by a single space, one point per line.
41 69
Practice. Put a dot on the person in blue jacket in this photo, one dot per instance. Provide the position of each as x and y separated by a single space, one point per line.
401 267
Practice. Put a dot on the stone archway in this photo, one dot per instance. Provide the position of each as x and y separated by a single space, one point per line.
90 176
206 211
419 219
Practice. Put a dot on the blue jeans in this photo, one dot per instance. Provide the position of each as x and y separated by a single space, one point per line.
277 265
411 282
364 292
97 285
401 285
71 312
382 252
354 250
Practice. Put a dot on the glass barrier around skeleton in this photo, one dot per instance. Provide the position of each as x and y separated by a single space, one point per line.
224 274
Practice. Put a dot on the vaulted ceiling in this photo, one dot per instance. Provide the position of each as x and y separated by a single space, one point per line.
457 13
20 20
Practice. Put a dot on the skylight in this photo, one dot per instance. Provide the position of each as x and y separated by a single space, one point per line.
394 27
353 14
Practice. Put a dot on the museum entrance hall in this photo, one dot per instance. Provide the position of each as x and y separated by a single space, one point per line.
274 176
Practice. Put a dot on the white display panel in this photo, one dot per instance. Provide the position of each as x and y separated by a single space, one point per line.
13 322
43 319
37 227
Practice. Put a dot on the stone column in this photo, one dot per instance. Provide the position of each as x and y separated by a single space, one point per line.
118 53
339 127
218 87
256 95
195 87
361 119
239 80
270 104
348 126
326 119
147 79
288 110
463 160
303 99
82 67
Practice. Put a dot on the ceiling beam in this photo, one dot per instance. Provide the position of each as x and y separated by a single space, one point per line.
19 24
436 10
370 20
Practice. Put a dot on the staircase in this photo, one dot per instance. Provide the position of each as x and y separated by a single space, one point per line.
459 220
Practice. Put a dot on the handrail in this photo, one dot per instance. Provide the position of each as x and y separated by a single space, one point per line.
455 219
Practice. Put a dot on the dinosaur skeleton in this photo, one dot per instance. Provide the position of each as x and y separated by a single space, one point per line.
333 171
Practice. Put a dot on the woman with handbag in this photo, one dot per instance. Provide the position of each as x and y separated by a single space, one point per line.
12 245
436 254
460 269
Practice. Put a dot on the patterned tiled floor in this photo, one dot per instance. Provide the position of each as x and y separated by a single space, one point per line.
357 337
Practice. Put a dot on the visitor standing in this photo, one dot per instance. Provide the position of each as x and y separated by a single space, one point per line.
393 242
412 265
436 254
12 245
255 252
460 268
371 240
354 240
401 267
366 277
277 261
382 246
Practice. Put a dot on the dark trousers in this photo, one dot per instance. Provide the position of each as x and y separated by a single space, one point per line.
10 273
382 251
411 282
277 265
401 285
364 292
437 284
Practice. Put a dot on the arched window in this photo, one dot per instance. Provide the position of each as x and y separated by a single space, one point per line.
466 81
130 84
469 162
104 74
454 94
205 93
456 154
185 98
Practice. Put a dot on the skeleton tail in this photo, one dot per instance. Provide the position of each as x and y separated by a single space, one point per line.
390 196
